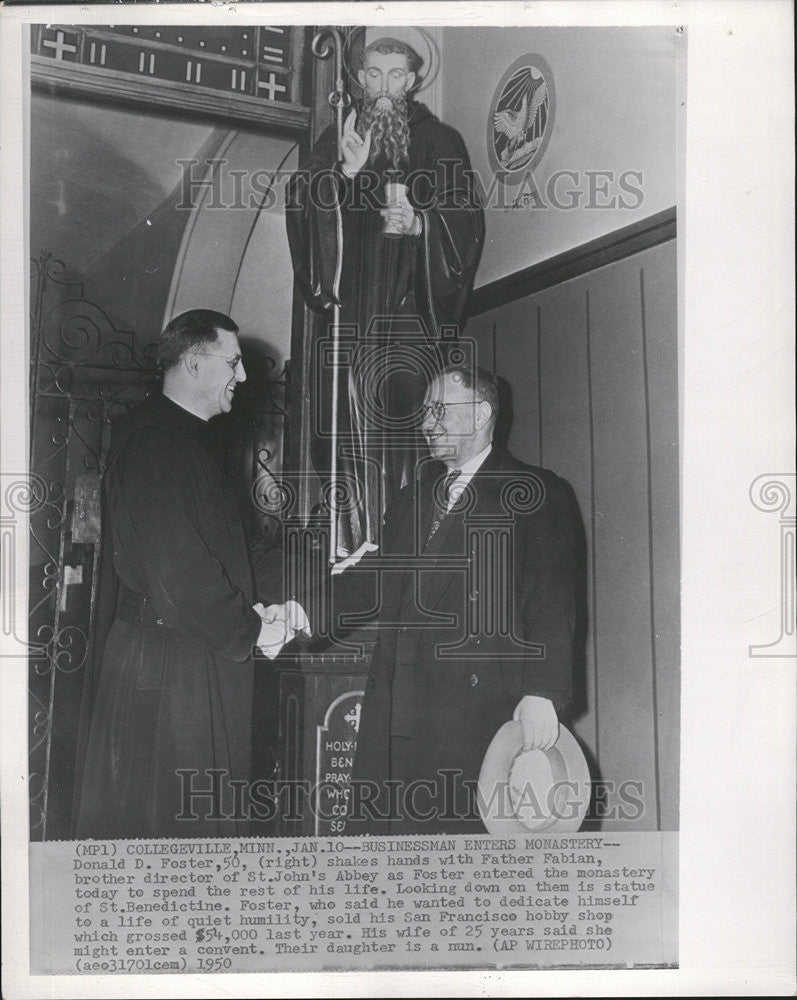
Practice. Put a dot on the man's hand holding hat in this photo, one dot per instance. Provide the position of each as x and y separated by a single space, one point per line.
539 722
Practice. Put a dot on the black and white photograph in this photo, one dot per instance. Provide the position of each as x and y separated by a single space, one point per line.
345 409
349 549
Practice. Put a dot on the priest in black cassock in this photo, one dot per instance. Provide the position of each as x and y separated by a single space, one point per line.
174 699
400 291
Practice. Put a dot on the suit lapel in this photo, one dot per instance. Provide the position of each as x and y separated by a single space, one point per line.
451 540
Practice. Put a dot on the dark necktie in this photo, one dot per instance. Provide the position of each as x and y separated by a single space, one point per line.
440 510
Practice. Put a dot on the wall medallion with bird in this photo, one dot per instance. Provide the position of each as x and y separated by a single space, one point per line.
522 114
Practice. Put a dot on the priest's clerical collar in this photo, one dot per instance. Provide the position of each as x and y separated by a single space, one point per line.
185 408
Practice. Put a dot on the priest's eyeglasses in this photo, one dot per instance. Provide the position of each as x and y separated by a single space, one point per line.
438 409
232 362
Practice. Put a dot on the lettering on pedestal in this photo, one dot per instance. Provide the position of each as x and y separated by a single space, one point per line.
336 745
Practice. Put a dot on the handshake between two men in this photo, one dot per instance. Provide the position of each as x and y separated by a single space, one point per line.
280 623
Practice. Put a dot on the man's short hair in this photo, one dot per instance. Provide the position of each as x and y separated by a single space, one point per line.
483 382
189 330
387 45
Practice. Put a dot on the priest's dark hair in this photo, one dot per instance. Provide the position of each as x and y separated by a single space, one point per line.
483 382
189 330
387 45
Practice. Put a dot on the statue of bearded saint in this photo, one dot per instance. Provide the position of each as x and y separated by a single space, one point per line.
388 224
384 117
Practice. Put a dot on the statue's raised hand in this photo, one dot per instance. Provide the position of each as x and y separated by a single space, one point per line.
353 149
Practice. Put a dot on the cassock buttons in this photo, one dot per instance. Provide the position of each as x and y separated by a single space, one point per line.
474 680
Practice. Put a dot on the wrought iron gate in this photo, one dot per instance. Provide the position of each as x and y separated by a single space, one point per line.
83 373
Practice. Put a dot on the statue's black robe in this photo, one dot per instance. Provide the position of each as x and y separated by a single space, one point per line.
402 300
177 695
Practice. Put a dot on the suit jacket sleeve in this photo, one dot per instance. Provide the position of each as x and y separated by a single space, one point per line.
548 587
330 602
333 602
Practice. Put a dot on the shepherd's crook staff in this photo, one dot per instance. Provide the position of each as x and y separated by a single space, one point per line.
337 100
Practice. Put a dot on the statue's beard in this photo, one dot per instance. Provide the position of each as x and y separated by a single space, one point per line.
390 130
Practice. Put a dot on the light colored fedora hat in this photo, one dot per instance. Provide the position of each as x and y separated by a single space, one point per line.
522 791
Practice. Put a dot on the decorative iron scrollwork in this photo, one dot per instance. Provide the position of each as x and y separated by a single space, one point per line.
83 373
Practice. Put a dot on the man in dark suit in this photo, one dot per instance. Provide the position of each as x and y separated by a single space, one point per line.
475 589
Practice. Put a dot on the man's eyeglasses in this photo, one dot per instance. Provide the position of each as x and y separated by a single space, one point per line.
438 409
232 362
